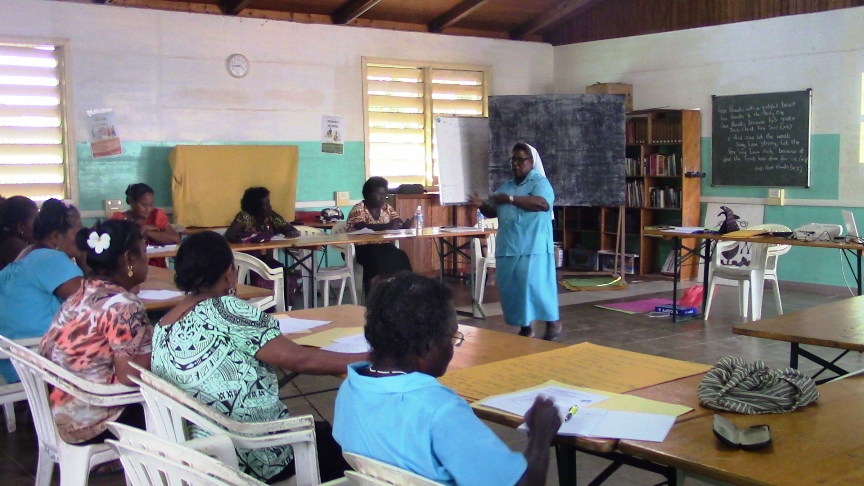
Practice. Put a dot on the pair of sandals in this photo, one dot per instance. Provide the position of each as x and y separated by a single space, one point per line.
553 332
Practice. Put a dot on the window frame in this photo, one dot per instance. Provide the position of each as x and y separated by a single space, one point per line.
426 67
67 125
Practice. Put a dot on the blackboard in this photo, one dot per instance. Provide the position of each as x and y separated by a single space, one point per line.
761 140
580 139
463 157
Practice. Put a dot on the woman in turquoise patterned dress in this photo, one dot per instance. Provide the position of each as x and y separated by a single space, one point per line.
222 350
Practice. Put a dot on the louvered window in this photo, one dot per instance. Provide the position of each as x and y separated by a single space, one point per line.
33 158
401 100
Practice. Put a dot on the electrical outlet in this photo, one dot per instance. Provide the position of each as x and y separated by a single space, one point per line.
343 198
776 197
112 206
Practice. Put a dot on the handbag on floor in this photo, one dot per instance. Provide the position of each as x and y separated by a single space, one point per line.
752 388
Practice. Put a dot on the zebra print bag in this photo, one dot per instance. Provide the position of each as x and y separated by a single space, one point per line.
752 388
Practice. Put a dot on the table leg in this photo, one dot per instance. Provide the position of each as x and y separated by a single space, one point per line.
858 253
793 356
440 248
476 310
565 456
706 257
676 272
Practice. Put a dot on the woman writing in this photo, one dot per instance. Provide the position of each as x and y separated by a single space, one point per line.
525 262
33 287
222 350
17 215
152 221
393 408
100 329
256 220
373 212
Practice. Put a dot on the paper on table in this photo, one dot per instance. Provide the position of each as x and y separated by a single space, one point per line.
154 249
325 338
290 324
159 294
405 231
461 229
278 238
518 403
611 424
746 233
361 231
688 229
355 343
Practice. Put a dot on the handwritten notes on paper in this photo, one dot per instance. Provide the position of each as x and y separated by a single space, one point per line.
585 364
761 139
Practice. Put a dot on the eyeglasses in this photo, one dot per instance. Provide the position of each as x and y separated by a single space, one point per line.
519 160
458 338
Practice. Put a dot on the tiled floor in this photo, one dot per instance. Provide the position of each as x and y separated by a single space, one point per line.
699 341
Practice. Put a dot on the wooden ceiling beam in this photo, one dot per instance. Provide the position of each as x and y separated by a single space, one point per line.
455 14
558 14
233 7
351 10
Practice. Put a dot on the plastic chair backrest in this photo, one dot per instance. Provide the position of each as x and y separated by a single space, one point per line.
490 246
758 255
491 223
368 471
216 446
246 263
13 392
774 250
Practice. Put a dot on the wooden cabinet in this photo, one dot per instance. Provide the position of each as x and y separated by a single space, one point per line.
422 251
662 147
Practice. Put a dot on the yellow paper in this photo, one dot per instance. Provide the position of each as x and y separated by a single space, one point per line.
325 338
587 365
618 402
746 233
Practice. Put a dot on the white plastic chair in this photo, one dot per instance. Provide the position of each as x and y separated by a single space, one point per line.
246 263
149 460
171 409
75 461
305 275
10 393
341 273
751 279
482 264
369 472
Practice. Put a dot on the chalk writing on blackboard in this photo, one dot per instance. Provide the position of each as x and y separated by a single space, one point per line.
761 139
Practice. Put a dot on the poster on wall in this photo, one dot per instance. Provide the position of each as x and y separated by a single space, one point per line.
332 134
102 127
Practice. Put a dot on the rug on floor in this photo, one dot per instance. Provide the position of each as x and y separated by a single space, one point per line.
635 306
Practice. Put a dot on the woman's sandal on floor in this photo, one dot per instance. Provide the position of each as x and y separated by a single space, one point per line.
553 333
526 331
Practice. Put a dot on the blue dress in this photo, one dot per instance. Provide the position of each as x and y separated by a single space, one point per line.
414 422
27 299
524 255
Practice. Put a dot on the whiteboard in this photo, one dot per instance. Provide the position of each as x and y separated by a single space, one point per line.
463 158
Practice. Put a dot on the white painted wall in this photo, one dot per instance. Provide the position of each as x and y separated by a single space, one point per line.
164 72
823 51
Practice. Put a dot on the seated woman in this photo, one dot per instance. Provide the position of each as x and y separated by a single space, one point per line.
222 350
153 222
16 227
256 220
373 212
393 408
101 329
33 287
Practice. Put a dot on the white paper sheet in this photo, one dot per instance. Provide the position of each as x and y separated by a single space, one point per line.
361 231
159 294
355 343
461 229
612 424
688 229
154 249
519 403
288 325
405 231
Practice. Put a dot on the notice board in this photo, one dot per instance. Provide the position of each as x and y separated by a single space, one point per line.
580 139
463 157
761 140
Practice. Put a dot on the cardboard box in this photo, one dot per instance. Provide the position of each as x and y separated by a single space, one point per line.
681 311
606 261
582 259
614 88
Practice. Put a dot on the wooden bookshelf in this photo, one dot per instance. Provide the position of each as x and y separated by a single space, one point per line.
661 146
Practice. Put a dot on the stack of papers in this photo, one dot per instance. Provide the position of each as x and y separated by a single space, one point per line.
291 325
159 294
339 340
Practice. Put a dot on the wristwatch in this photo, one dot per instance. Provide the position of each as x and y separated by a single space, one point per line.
511 197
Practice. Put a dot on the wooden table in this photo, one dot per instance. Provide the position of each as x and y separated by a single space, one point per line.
441 236
821 443
837 325
163 279
705 244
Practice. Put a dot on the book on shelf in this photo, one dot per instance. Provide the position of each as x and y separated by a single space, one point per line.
664 197
653 165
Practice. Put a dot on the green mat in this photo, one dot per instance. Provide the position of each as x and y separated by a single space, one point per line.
607 282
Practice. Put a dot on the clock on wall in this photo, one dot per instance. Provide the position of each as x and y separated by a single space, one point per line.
237 65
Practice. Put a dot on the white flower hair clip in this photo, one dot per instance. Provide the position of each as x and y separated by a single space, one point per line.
99 243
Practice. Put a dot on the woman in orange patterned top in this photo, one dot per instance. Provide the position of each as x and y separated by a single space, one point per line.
154 224
373 212
101 329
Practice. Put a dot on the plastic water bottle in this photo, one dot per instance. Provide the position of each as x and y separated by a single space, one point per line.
418 220
481 220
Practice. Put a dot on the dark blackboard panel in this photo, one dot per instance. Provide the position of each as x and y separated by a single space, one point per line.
580 139
761 140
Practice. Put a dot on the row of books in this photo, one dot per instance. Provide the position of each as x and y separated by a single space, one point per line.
636 131
654 165
658 197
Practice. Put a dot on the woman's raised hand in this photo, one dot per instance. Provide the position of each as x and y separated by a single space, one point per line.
476 200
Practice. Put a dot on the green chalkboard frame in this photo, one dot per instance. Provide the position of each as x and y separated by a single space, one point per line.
761 140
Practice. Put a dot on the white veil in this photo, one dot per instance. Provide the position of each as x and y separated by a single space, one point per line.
538 164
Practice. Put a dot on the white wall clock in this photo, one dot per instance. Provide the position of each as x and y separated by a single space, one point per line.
237 65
